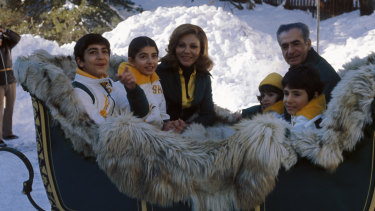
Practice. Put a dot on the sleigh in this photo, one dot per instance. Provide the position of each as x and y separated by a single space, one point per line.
255 164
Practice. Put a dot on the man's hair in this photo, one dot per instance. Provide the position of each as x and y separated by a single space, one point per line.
140 42
304 77
301 26
87 40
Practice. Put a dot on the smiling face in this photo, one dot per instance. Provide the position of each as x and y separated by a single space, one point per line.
294 100
188 50
145 61
293 46
95 60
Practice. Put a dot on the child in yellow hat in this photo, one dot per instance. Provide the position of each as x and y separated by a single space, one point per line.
271 97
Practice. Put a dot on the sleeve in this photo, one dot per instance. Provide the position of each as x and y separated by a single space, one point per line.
250 112
138 101
12 38
206 110
163 110
89 107
329 77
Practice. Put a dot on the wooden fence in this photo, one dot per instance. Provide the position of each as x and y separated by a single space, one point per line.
328 8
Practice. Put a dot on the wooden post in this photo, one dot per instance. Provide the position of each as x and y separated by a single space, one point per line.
317 24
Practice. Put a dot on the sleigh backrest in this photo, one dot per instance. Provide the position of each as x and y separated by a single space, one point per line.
72 182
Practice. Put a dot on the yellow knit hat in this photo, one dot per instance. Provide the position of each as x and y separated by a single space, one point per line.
273 79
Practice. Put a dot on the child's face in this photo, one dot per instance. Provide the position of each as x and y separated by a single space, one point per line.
146 60
96 60
295 99
268 99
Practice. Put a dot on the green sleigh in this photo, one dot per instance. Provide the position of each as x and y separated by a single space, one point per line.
88 177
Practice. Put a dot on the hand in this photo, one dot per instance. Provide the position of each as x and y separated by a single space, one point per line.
180 125
236 117
168 126
177 125
127 78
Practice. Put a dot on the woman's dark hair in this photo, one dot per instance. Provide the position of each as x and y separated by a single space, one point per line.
304 77
138 43
269 88
87 40
203 62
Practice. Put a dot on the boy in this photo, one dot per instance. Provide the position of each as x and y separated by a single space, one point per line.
303 98
100 96
271 95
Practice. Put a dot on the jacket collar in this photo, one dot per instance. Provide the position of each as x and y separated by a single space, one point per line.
88 75
277 107
315 107
140 77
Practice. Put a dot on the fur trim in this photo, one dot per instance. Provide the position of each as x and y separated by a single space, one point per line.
163 168
213 170
348 112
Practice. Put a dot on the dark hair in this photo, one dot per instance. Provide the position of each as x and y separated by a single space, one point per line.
203 62
87 40
140 42
269 88
301 26
303 77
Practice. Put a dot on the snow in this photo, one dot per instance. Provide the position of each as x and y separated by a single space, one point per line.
242 45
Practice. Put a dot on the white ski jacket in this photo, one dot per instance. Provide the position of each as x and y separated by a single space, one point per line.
154 93
107 103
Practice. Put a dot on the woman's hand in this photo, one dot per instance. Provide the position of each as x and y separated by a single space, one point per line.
127 78
177 125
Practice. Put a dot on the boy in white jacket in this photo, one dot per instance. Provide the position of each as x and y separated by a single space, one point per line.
101 96
303 98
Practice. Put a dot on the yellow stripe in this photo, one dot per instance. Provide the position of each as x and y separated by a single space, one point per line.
51 180
144 205
6 69
186 102
103 112
372 205
257 208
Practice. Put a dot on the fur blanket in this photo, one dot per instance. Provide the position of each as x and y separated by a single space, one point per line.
226 167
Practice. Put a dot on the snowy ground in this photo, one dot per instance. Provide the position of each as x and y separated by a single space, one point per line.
242 45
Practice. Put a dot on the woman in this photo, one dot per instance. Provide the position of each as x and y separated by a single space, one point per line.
185 78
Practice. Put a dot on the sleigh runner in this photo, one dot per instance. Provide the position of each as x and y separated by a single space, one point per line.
86 167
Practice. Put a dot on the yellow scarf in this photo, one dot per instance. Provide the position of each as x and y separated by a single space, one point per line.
315 107
277 107
83 73
140 77
186 101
